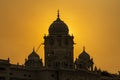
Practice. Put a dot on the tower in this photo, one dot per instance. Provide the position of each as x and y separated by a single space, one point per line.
58 46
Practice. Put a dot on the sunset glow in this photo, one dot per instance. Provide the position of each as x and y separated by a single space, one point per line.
95 24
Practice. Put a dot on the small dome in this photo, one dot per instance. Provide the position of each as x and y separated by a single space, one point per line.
33 56
33 61
84 55
58 27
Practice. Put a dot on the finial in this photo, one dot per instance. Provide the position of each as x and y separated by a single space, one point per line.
83 48
8 59
58 13
25 59
33 48
17 63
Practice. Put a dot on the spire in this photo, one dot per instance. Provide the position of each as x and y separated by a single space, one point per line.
58 13
83 48
8 59
33 49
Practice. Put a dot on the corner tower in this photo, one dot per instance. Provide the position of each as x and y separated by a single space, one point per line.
58 46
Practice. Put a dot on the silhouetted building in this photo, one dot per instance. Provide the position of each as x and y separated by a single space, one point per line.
59 61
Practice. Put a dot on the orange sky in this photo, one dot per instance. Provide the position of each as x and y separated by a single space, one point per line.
94 23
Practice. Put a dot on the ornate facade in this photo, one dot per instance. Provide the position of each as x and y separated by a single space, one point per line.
59 61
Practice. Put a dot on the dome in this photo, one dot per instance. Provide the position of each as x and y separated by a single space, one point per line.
58 27
84 55
33 61
33 56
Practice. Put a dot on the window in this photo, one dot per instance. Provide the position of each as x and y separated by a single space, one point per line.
2 78
1 68
52 75
10 73
25 75
51 41
29 75
67 79
66 42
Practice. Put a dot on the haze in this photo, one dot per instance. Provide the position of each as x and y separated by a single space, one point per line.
95 24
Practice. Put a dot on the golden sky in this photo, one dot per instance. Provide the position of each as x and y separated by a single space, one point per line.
94 23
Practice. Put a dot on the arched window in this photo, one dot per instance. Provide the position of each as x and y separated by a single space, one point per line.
67 79
66 41
51 41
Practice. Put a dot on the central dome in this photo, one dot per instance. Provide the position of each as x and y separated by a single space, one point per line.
58 27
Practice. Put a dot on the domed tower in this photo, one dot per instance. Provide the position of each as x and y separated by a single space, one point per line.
33 61
58 46
84 61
